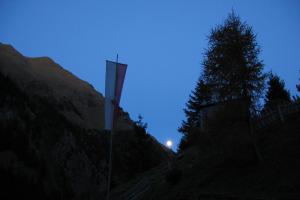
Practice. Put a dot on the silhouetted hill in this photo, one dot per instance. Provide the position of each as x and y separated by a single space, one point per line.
81 103
52 145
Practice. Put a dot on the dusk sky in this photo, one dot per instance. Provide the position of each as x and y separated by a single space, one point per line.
162 41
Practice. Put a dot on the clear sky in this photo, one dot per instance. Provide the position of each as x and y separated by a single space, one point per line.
162 41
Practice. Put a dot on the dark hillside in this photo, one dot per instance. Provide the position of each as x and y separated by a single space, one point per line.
51 142
43 156
214 174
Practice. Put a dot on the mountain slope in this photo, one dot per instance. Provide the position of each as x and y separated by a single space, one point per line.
42 155
80 102
52 145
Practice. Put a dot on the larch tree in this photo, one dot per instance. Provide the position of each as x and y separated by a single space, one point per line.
231 63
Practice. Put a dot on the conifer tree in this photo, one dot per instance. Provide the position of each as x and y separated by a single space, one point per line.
232 66
276 92
298 86
199 98
296 97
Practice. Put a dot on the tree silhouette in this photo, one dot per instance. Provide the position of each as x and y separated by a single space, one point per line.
298 86
296 98
276 92
199 98
139 123
231 64
231 70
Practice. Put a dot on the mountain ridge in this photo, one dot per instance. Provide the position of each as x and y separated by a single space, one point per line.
44 77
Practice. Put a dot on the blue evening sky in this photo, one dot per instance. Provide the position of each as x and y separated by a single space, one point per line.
162 41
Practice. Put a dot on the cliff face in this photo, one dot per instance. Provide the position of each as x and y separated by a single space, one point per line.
52 145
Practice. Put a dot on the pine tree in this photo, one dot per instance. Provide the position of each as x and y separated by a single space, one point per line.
231 64
276 92
296 98
298 86
200 97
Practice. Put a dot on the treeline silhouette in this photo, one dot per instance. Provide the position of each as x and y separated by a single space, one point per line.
231 71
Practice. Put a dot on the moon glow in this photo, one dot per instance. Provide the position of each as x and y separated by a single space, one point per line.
169 143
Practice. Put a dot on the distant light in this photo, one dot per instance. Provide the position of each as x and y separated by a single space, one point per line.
169 143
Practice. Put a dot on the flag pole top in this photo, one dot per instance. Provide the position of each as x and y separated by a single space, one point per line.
116 61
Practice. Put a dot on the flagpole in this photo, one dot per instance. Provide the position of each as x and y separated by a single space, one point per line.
114 122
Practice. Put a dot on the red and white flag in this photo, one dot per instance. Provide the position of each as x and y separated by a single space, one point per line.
114 79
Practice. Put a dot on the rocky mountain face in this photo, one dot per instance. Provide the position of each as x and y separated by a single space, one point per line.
52 143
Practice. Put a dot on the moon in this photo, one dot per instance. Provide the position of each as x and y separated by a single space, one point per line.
169 143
